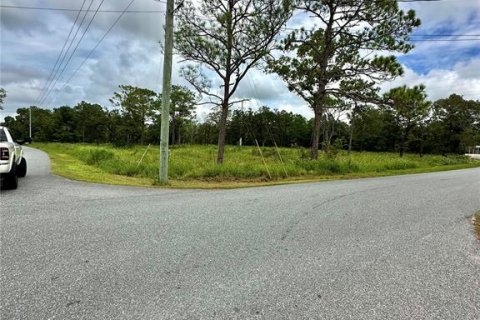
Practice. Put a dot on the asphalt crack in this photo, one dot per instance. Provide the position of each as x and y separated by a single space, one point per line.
300 217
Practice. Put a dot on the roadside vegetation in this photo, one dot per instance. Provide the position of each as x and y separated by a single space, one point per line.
323 62
195 166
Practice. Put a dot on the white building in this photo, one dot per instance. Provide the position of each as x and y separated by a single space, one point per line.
474 152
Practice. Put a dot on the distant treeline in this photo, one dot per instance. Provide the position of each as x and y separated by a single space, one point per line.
452 125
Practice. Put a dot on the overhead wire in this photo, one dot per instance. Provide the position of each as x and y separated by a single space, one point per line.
98 43
74 10
57 75
77 45
159 11
60 54
62 59
443 40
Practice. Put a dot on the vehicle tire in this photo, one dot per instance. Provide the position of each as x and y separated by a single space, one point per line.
11 178
22 168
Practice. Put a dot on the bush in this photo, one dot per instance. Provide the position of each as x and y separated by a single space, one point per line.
399 165
455 159
95 156
266 152
322 166
199 162
333 150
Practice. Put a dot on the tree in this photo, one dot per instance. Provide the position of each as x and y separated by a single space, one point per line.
137 105
91 122
409 107
182 109
458 121
65 125
3 95
42 123
228 37
336 58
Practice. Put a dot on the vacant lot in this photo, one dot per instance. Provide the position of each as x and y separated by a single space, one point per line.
195 165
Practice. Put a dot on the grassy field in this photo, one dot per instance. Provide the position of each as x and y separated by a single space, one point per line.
194 166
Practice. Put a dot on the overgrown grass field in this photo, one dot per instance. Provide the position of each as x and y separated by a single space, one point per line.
194 166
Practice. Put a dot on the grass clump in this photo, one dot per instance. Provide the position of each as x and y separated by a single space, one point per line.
96 156
195 165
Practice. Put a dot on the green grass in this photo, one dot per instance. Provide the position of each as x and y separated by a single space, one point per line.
194 166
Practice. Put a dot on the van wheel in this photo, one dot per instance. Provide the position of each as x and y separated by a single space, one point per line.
22 168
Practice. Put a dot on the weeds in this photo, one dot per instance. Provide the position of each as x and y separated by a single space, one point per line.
96 156
188 163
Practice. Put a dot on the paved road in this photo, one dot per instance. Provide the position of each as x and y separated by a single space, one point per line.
388 248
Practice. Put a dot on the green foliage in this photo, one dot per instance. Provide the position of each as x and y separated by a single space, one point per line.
457 124
96 156
138 106
451 127
268 127
328 60
91 122
182 112
408 105
409 108
245 163
333 150
398 164
321 166
3 95
228 39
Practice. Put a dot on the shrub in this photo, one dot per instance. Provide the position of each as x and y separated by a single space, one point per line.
399 165
455 159
95 156
322 166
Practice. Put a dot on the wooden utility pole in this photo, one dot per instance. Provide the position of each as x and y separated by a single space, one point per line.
167 87
30 123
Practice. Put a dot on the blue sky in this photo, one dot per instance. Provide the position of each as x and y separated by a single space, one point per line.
31 41
439 53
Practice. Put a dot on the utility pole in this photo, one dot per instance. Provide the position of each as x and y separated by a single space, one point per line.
167 87
30 123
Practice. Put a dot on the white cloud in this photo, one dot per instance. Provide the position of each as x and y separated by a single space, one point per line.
463 79
31 40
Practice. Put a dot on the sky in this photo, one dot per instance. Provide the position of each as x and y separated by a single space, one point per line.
131 53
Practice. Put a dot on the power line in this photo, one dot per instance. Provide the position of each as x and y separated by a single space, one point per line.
98 43
443 40
42 92
445 35
129 11
76 46
54 78
71 9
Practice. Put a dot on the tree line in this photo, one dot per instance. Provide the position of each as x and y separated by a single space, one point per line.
334 65
445 126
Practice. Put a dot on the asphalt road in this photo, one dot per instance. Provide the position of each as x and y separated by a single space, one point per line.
387 248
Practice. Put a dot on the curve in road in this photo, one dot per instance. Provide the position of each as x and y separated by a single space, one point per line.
384 248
